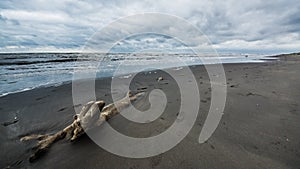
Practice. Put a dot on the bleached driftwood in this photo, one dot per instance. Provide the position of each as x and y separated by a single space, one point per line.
92 114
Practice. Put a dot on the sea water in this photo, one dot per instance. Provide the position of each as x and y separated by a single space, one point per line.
26 71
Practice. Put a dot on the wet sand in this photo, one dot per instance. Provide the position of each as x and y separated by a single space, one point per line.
260 127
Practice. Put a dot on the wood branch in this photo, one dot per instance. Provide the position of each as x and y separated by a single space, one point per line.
92 114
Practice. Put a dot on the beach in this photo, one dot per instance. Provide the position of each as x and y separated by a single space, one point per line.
259 128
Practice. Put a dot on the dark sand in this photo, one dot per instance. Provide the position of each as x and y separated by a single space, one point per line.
260 127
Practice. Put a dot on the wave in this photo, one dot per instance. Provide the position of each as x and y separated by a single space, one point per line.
35 87
37 62
25 72
17 91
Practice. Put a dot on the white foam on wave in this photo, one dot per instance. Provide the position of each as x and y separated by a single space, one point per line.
17 91
178 68
34 87
126 76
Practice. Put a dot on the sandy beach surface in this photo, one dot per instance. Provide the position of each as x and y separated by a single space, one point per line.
260 127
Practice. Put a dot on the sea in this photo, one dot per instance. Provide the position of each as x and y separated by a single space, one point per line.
26 71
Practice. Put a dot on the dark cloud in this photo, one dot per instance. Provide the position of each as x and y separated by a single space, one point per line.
234 24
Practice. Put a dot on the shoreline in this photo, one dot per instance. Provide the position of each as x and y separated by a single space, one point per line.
126 74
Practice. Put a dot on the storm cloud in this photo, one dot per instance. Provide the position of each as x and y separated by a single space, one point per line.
234 25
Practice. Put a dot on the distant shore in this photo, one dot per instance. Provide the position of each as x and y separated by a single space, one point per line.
259 128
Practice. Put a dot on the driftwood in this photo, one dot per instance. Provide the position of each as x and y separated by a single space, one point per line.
92 114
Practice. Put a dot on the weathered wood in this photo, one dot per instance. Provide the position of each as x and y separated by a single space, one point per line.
92 114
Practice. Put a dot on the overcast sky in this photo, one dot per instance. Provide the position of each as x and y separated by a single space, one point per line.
231 26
